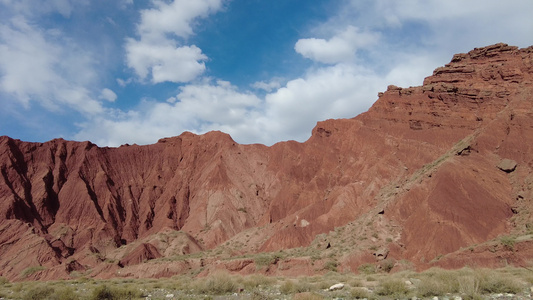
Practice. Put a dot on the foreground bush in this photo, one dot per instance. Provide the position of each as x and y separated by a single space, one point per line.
393 287
216 284
491 282
38 293
104 292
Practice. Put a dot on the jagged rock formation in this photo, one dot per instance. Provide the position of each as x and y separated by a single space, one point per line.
420 168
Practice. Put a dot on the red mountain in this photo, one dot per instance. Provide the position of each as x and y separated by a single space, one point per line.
439 174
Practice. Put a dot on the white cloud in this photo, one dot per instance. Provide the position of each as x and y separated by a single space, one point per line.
165 62
403 43
158 54
40 66
339 91
197 108
175 17
340 48
108 95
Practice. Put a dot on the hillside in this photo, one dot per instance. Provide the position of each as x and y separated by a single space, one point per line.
439 174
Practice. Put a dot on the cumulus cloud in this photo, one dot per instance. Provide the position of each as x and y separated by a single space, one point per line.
339 48
158 52
197 108
165 62
174 17
402 43
108 95
40 66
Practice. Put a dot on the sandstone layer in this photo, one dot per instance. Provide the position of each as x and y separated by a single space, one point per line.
430 175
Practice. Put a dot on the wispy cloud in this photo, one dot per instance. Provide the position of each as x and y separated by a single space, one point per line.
43 67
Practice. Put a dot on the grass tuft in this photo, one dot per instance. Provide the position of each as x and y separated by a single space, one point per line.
392 287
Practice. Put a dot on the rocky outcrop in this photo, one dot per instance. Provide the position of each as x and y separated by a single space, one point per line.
421 162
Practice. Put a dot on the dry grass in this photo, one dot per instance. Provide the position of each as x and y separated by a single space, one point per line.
466 283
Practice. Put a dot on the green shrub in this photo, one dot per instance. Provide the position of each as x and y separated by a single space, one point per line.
392 287
38 293
3 280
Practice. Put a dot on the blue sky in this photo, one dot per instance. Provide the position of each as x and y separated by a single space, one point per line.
127 71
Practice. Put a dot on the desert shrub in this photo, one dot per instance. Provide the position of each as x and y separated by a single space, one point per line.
31 270
491 282
256 280
360 293
469 287
355 282
104 292
292 287
367 269
331 265
3 280
387 264
287 287
264 260
392 287
217 284
38 293
325 284
440 281
256 295
432 286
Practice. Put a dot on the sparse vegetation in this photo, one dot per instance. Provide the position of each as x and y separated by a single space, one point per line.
467 283
367 268
31 270
508 242
331 265
104 292
393 287
219 283
38 293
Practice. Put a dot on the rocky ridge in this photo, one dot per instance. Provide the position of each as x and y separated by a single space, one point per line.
414 182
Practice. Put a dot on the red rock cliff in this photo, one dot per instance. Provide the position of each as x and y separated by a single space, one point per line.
424 157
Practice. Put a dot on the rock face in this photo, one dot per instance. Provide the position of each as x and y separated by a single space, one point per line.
420 164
